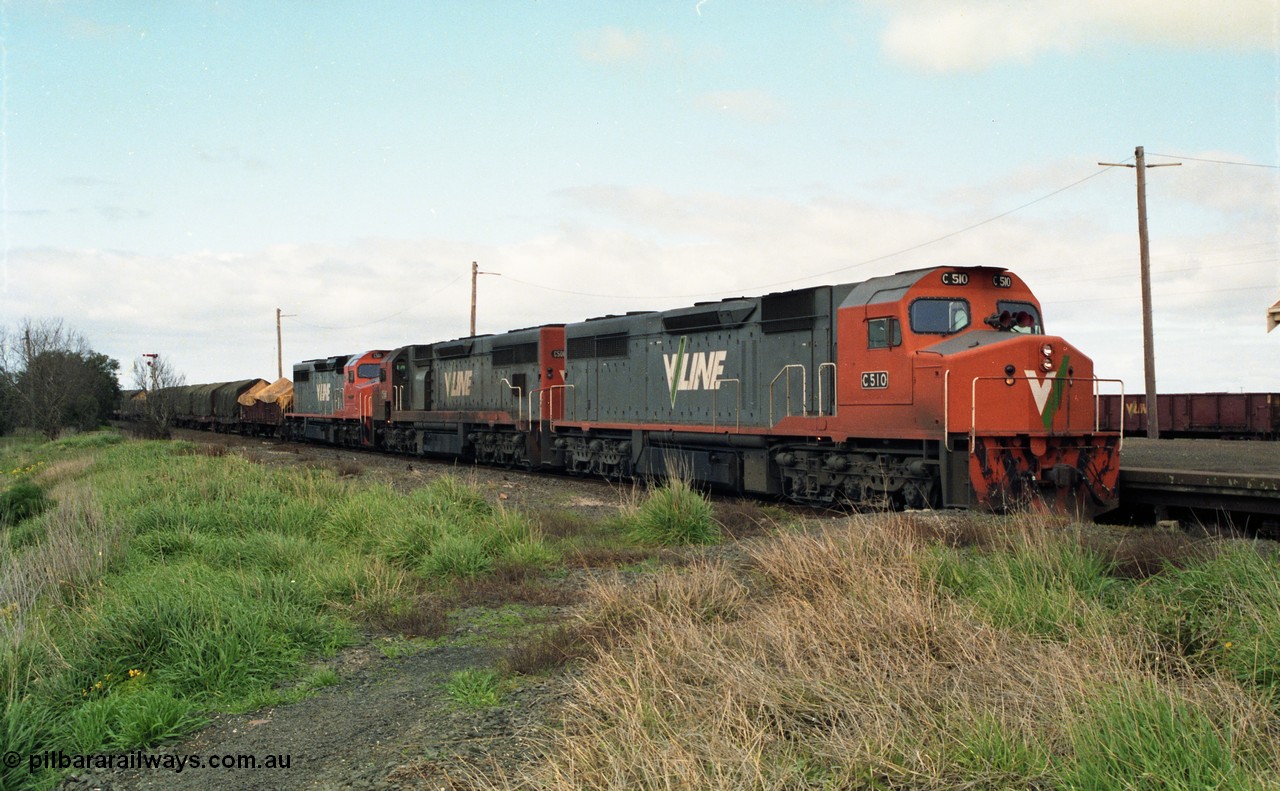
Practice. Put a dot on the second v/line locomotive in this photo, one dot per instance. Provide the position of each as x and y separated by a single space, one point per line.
929 388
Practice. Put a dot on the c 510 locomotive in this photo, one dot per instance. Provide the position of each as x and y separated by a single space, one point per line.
929 388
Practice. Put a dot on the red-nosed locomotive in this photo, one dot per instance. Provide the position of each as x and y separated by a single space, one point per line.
930 388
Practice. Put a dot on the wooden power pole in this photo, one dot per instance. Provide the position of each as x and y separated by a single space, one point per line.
1148 343
280 344
475 270
279 347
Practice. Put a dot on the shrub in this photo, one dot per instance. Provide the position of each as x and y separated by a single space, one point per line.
22 501
674 513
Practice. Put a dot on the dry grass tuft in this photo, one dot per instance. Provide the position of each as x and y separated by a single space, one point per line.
349 469
1138 554
833 660
77 546
604 556
739 519
550 650
204 449
509 584
65 470
561 523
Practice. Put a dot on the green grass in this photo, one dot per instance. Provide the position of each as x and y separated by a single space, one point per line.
673 514
1222 614
1217 610
172 584
1143 738
474 688
162 585
1054 589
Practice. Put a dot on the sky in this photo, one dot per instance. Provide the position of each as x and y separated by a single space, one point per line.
173 173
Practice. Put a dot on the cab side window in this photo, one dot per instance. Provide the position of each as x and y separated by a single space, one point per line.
939 316
883 333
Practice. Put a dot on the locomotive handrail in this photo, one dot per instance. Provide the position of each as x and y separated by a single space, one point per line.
973 402
804 390
737 422
1097 412
519 401
946 410
552 388
834 371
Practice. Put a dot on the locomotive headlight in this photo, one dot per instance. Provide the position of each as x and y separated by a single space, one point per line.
1008 374
1046 363
1046 350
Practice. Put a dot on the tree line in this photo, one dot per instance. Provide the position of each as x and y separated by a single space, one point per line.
51 380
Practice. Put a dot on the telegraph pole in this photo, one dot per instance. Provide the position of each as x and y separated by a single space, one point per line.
1148 344
280 344
475 270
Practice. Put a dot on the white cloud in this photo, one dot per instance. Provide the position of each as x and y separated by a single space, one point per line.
613 45
622 249
966 35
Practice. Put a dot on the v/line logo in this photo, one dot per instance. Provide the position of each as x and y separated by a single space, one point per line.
1047 392
693 370
457 383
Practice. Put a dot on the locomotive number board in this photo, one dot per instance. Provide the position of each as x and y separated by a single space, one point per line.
875 380
955 278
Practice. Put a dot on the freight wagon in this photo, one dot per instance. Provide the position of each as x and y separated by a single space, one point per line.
1222 415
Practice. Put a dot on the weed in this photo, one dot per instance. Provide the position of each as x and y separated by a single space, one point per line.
475 688
673 514
323 677
349 469
560 523
550 649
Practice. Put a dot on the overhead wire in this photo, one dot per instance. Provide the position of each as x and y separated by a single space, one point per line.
845 268
388 317
1218 161
789 281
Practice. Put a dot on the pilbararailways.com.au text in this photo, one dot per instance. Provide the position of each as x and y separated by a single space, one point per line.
139 759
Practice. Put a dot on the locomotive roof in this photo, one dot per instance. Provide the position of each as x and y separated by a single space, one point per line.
891 288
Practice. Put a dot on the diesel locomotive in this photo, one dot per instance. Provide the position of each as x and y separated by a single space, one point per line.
930 388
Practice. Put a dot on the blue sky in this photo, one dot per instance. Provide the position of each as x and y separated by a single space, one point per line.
173 172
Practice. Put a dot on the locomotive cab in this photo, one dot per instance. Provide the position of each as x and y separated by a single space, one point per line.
960 356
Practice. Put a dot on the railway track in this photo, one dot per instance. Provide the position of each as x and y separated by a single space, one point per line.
1229 483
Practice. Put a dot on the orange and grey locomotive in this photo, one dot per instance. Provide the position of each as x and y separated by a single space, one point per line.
930 388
